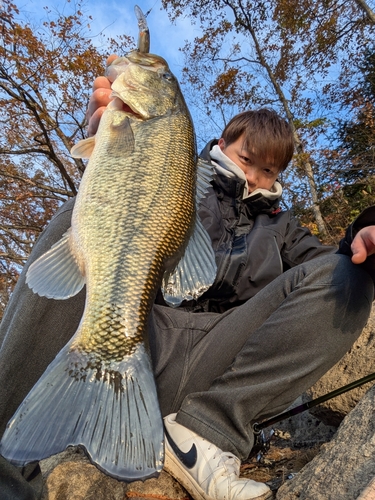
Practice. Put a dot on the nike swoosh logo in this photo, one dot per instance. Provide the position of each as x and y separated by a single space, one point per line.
189 458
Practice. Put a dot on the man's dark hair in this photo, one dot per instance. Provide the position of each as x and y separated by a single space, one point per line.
265 134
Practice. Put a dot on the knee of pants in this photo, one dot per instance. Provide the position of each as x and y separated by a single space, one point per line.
353 291
353 276
338 270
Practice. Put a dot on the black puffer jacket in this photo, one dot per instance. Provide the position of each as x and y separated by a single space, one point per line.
254 242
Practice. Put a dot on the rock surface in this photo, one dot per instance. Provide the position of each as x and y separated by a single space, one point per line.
345 467
70 476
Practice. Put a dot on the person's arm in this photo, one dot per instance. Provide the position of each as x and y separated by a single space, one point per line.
300 245
358 243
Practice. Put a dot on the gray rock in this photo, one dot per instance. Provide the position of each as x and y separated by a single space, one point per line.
345 467
369 492
304 430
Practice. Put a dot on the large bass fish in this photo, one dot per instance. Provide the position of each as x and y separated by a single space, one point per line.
134 229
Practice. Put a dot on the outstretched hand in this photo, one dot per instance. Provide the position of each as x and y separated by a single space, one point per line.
363 244
99 100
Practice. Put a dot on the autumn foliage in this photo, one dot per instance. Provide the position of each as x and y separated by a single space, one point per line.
46 75
300 57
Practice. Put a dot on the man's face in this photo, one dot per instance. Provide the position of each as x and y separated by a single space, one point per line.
259 173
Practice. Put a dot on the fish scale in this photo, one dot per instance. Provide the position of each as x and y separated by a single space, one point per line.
137 249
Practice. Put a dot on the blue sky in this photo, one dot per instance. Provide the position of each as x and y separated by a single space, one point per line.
118 17
114 18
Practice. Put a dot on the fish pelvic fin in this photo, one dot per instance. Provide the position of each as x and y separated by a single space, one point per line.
196 271
113 413
56 274
83 148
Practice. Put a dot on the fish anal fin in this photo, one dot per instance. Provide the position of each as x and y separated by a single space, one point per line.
56 274
112 413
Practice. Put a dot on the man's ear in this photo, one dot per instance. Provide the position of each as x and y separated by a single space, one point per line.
221 144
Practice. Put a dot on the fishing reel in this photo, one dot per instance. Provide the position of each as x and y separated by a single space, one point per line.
262 442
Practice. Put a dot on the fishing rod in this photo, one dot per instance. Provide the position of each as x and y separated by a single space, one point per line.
258 426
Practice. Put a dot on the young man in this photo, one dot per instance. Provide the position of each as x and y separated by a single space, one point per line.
283 310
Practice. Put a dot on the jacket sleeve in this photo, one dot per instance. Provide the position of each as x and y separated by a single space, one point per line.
365 219
300 245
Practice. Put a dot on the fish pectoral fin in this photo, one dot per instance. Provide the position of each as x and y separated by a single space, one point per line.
205 174
56 273
123 134
83 148
112 413
194 273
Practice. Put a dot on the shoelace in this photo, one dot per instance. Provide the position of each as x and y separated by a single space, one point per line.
229 461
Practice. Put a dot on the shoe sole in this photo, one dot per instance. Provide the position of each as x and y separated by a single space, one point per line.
173 466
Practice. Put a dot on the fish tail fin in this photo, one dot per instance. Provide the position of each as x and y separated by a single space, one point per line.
111 411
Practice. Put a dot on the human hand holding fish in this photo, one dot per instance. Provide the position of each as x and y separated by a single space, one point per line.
99 100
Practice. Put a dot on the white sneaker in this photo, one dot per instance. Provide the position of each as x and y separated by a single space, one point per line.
204 470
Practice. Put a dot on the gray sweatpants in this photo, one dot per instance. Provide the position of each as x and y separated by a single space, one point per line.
220 372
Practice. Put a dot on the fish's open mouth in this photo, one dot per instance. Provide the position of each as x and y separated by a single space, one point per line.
118 104
127 108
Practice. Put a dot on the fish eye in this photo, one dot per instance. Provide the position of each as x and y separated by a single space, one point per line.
166 75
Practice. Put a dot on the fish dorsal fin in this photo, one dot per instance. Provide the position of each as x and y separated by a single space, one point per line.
83 148
196 271
56 274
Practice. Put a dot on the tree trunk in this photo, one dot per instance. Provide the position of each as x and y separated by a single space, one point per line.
367 9
313 191
245 21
